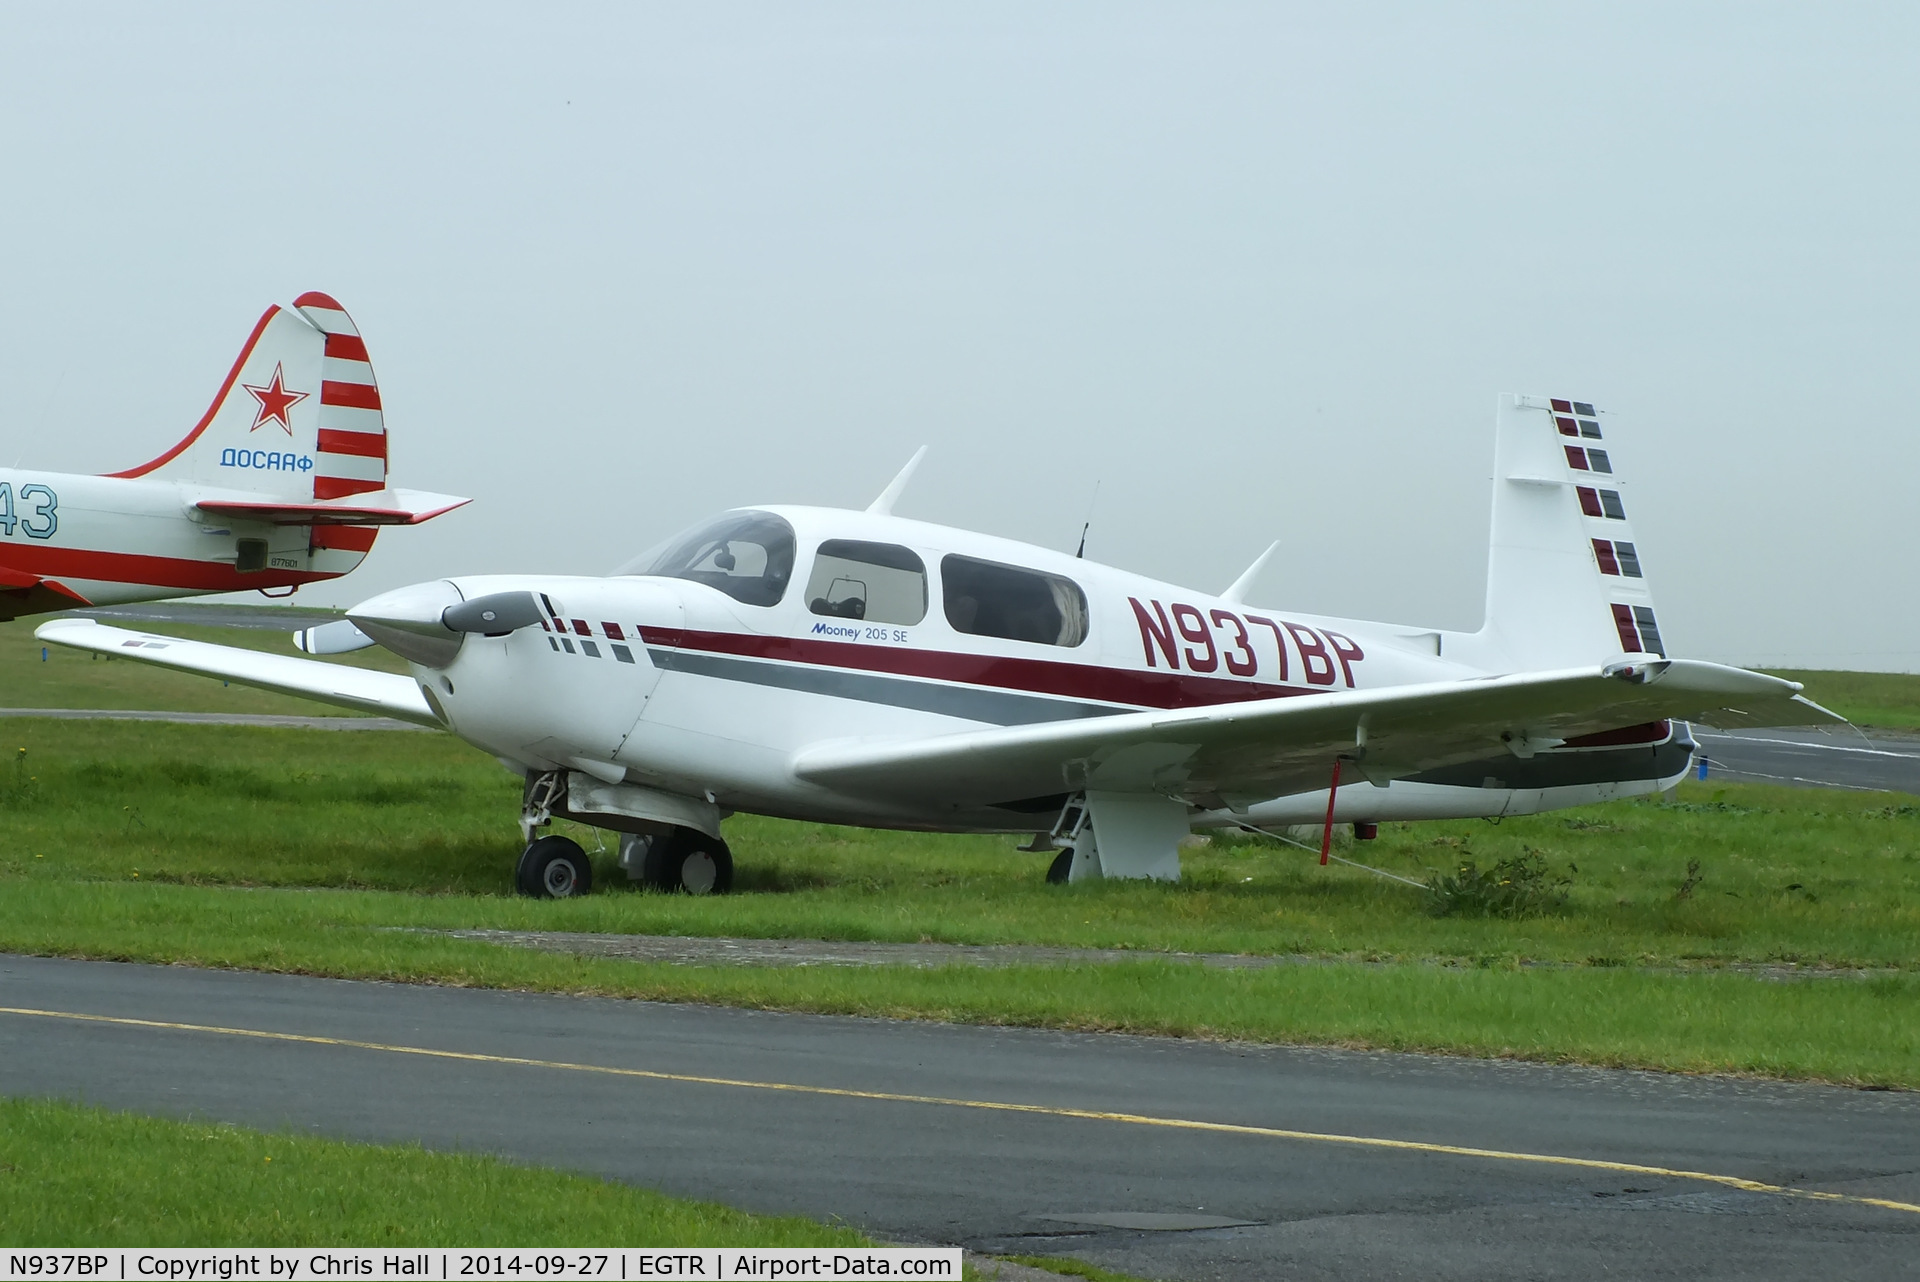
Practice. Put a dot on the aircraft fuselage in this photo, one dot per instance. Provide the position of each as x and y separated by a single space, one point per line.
672 683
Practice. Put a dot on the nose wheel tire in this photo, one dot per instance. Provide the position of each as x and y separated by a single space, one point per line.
1061 868
690 862
554 868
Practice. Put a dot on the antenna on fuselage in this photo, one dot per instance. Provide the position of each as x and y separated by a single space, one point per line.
1081 551
1238 592
883 506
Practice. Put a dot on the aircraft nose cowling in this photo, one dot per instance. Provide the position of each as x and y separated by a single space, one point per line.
494 615
408 621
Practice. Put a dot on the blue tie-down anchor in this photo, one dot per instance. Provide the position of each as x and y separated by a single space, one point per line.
1701 768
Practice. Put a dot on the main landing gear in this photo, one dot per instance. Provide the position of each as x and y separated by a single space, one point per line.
685 860
673 857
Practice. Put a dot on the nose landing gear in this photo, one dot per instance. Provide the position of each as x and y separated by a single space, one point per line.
554 868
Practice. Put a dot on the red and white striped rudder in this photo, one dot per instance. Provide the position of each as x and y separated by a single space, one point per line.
350 449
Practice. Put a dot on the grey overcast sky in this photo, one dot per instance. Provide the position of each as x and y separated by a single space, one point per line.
1257 270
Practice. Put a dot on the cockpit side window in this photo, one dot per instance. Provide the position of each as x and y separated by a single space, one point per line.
988 599
877 582
747 555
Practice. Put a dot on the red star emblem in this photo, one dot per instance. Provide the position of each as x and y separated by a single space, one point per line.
275 400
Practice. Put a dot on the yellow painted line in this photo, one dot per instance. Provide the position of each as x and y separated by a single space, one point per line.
995 1106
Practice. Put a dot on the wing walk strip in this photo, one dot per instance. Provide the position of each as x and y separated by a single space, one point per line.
993 1106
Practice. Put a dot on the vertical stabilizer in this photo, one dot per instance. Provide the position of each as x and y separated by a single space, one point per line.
297 418
1566 582
260 432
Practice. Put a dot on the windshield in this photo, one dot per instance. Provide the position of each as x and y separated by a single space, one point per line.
747 555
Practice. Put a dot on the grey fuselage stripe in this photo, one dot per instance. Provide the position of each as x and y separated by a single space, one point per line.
990 707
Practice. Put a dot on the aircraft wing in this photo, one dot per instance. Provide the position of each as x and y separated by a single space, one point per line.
386 693
1274 747
381 507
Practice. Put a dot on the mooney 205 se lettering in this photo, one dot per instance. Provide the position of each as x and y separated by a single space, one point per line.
282 482
860 668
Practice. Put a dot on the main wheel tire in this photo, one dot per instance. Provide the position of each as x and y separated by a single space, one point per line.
1061 868
691 862
554 868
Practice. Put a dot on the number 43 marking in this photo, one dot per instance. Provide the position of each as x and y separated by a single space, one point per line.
37 522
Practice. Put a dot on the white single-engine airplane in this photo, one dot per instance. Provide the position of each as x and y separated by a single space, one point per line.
282 482
858 668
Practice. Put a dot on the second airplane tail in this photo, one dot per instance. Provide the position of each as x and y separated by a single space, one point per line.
1566 582
296 436
298 417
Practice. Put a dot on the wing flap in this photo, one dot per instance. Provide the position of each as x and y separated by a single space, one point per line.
1271 748
386 693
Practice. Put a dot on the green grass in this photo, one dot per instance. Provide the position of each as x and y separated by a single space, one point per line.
71 679
1887 700
1787 875
1072 1268
227 847
1854 1029
78 1176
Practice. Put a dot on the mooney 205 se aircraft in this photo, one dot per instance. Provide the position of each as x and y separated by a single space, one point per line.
858 668
282 482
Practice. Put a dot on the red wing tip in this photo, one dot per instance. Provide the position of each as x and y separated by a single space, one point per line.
315 298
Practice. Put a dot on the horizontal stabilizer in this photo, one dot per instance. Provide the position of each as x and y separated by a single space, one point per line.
381 507
386 693
1276 747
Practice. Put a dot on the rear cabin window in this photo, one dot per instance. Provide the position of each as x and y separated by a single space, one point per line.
877 582
988 599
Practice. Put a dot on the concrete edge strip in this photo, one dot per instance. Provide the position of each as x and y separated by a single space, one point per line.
998 1106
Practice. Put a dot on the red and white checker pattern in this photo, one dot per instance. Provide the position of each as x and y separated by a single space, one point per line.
1603 511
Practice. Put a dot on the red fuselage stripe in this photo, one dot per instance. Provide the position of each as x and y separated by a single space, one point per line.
347 538
1651 732
1035 676
156 571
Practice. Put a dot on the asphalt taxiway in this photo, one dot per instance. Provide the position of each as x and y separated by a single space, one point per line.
1870 760
1164 1158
